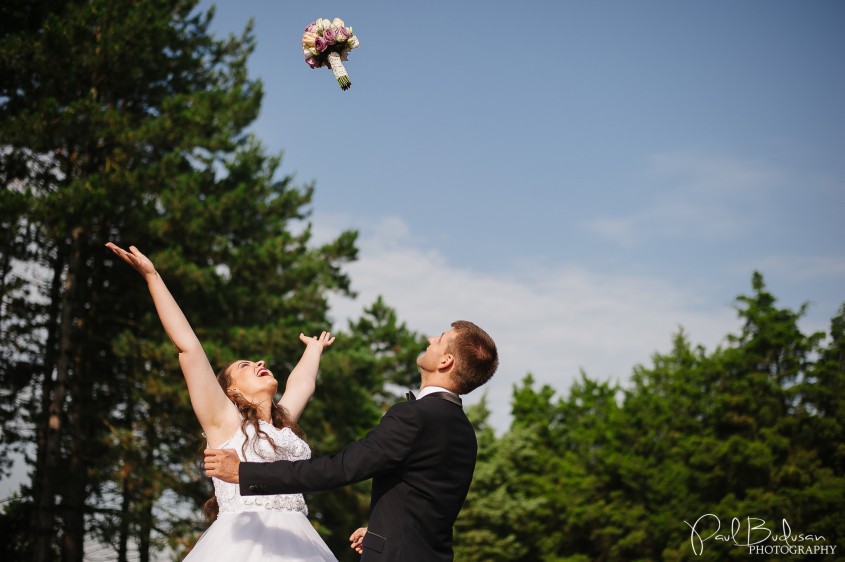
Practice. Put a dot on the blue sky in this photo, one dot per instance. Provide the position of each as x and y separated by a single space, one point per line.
579 178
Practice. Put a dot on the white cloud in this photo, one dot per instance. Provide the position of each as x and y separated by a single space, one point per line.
550 321
716 176
622 230
707 197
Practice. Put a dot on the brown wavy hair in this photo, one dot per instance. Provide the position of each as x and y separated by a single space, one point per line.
249 415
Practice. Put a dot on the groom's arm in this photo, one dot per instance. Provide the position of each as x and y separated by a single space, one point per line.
385 447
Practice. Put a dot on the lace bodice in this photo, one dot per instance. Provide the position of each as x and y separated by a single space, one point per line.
289 448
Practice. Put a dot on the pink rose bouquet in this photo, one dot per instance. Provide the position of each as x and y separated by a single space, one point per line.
327 43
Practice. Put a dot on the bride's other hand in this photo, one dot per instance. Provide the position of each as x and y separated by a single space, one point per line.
324 341
135 258
302 381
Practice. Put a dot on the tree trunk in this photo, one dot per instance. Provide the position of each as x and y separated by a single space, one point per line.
123 537
145 530
75 488
48 434
127 491
82 432
147 497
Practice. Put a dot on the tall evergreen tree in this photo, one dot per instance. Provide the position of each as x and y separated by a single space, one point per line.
125 121
820 428
495 522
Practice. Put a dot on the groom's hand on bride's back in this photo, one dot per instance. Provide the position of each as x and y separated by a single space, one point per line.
357 538
223 464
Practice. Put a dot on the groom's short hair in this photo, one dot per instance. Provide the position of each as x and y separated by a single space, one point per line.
476 358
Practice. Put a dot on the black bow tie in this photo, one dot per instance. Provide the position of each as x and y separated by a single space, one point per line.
448 396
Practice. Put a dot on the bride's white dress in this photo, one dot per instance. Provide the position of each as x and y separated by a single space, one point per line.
266 528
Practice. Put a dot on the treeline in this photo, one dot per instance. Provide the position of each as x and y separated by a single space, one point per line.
126 121
649 469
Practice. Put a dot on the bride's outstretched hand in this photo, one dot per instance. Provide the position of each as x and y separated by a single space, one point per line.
324 341
135 258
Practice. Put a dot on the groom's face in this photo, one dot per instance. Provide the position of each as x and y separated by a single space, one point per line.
436 351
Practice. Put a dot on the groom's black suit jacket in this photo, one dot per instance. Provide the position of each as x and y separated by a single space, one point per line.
421 457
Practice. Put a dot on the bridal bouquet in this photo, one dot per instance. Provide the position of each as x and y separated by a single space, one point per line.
327 43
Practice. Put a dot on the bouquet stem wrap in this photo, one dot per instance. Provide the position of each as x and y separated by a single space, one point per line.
339 71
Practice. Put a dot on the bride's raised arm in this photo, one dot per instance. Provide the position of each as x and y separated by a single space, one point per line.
302 380
215 412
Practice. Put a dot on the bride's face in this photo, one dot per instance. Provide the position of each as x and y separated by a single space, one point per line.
253 380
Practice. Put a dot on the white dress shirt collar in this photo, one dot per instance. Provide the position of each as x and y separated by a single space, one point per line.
432 389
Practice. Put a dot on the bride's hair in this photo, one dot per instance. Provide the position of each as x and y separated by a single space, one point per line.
249 415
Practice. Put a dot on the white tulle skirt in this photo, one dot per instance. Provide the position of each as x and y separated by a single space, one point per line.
277 536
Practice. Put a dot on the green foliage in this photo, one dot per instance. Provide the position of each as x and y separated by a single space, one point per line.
751 429
14 538
125 121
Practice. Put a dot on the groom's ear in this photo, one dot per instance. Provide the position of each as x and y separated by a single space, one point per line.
446 362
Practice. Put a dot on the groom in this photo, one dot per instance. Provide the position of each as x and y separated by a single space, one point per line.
421 456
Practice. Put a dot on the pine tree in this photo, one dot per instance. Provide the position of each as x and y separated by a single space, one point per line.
126 121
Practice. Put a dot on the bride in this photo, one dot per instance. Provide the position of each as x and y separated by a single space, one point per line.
236 410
